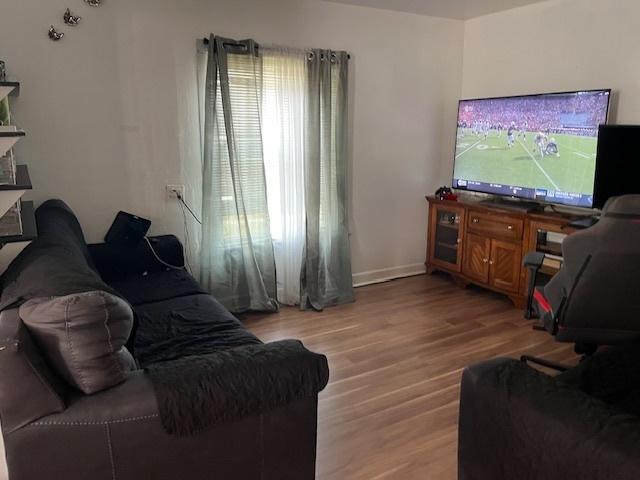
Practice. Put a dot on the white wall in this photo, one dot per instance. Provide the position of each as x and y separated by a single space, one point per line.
111 109
557 46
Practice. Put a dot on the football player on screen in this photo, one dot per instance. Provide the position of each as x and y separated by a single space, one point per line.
511 134
552 148
540 142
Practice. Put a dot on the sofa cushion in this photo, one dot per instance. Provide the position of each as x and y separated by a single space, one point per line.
56 221
83 336
157 286
48 271
57 263
190 325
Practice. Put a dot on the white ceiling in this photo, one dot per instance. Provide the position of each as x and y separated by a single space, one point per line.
458 9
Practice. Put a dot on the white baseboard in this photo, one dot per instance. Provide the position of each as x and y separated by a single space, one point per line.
386 274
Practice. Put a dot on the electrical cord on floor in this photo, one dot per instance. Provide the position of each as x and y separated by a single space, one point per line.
174 267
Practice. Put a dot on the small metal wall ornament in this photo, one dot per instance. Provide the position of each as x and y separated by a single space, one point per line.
93 3
70 19
54 34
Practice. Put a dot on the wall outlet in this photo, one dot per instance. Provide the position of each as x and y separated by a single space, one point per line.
174 190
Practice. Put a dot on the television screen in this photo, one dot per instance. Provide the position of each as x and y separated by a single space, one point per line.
538 147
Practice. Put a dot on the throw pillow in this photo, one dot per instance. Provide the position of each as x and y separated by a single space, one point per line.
83 336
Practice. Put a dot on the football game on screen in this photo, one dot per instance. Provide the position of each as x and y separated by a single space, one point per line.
539 147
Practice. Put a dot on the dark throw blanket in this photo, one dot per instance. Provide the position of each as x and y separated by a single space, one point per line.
198 392
186 326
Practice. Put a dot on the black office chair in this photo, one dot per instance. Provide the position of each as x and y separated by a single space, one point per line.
594 299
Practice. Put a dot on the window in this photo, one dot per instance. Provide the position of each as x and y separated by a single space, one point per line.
281 130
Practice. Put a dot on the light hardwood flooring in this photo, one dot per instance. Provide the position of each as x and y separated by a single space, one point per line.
396 355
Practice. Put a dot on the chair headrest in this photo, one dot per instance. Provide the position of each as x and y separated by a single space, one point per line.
626 205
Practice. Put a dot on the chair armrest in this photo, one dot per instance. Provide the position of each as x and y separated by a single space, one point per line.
533 260
516 422
115 262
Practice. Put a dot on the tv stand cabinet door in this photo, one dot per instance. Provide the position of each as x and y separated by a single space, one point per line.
504 265
445 238
476 257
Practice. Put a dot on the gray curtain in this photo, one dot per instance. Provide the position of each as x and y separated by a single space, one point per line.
237 261
326 271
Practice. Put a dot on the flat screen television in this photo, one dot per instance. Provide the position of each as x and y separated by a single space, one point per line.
535 147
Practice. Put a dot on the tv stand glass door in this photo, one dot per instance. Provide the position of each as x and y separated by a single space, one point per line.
446 249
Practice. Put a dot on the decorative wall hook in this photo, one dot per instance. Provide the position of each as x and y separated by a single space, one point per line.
93 3
54 34
70 19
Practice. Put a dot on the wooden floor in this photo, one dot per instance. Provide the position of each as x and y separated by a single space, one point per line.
396 356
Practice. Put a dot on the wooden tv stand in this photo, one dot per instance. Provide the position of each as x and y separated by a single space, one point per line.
482 244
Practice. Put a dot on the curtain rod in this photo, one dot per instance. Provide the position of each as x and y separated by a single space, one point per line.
205 41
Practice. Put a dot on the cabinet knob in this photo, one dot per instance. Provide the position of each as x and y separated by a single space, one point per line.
490 262
510 227
458 240
476 220
485 260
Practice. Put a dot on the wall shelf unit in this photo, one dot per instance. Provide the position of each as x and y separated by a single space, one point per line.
9 88
17 218
23 180
9 136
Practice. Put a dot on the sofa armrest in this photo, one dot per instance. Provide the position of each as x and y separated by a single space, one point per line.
115 262
197 392
134 399
117 434
516 422
28 388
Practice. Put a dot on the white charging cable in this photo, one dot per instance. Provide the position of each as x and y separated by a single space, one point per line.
174 267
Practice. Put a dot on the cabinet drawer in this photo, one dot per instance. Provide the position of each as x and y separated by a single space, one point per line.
509 228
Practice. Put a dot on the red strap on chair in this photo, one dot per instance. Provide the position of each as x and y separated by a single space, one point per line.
542 301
